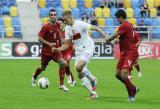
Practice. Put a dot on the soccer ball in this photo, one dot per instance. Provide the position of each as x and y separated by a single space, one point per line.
43 83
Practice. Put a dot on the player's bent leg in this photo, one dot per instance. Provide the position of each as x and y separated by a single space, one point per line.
62 70
85 81
129 86
35 75
89 75
69 74
118 75
139 73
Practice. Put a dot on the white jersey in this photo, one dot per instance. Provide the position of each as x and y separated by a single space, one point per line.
78 32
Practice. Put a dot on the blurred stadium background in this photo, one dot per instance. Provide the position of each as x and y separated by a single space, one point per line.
20 21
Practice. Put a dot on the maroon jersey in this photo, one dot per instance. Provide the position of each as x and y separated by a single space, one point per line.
137 38
126 37
67 54
50 33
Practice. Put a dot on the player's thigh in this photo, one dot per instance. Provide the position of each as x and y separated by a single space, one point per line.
44 61
120 62
130 60
58 58
67 55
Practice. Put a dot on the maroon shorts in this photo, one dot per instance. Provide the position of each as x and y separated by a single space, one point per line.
67 55
127 60
46 58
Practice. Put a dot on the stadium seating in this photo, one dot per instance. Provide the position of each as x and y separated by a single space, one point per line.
7 21
13 11
106 12
133 21
88 3
147 21
10 26
109 22
137 12
98 12
73 3
41 3
153 12
112 12
2 33
156 3
127 3
95 34
135 3
129 12
105 16
150 3
101 21
9 32
75 12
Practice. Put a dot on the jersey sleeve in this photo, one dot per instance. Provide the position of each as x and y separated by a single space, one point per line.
67 33
42 32
122 29
85 25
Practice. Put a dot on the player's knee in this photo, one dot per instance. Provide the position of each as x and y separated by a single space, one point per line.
79 68
80 75
62 64
124 73
118 74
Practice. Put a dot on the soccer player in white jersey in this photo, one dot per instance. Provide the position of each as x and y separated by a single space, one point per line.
77 31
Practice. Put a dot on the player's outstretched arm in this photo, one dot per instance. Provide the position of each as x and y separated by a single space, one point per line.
46 42
95 28
63 47
112 37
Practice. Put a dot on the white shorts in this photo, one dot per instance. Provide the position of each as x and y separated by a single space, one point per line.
85 55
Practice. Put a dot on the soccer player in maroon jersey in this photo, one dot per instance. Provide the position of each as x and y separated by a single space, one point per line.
67 54
128 53
49 36
137 40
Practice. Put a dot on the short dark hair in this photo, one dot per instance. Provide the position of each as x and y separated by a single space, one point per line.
60 19
68 12
121 13
51 10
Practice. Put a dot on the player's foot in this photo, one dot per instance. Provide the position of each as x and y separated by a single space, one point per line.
73 83
33 82
93 83
131 99
130 77
69 80
94 95
139 74
63 87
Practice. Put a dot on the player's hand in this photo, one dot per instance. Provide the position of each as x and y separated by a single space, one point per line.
108 41
52 44
116 41
54 49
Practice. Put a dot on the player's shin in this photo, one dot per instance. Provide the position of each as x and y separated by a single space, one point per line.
130 87
88 74
86 84
37 72
61 75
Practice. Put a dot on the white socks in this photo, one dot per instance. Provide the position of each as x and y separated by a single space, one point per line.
88 74
86 84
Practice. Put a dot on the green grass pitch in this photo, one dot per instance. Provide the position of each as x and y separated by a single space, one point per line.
16 91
